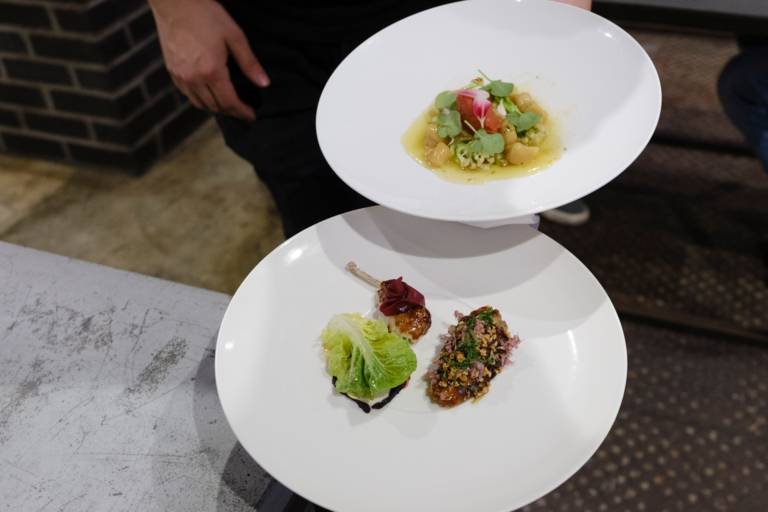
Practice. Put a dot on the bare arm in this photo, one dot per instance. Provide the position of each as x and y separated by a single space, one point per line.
584 4
197 36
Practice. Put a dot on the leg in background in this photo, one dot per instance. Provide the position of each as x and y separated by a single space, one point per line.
743 90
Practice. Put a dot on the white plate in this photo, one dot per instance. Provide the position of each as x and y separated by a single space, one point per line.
593 78
542 419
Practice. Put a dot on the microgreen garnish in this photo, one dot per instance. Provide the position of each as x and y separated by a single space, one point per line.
523 121
445 99
486 316
448 123
491 143
498 88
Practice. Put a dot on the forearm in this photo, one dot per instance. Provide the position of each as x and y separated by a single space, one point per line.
584 4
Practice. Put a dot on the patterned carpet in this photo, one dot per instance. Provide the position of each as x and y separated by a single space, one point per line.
681 240
692 434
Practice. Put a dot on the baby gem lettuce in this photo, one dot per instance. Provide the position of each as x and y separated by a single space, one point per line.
366 359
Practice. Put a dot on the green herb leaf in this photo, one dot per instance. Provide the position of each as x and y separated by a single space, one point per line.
499 89
486 316
445 99
448 124
491 143
475 146
510 106
523 121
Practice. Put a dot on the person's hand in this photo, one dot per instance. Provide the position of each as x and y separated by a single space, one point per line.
584 4
197 36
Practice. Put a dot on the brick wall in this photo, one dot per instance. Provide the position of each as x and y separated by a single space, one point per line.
83 81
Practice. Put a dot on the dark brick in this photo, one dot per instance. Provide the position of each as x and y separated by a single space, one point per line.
21 95
134 161
32 16
57 125
131 101
85 104
178 128
37 146
120 107
23 69
146 154
122 73
75 20
97 17
139 126
143 26
105 50
9 118
157 81
113 134
97 80
12 42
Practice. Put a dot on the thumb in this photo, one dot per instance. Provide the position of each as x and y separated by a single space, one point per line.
249 64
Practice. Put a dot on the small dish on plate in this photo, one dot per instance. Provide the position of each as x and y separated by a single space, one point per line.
597 84
541 420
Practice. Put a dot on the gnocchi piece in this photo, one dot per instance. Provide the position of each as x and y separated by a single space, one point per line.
525 103
431 138
438 155
510 135
519 153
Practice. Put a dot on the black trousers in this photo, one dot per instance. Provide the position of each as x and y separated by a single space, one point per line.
300 44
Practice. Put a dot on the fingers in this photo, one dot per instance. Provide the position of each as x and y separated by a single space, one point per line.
228 101
218 97
183 89
249 64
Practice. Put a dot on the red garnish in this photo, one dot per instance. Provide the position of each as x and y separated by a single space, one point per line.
396 296
465 103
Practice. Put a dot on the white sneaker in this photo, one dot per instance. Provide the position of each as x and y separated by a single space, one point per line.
571 214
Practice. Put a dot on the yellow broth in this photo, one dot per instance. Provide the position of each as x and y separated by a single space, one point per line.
413 141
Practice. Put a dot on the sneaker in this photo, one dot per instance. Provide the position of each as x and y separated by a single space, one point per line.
571 214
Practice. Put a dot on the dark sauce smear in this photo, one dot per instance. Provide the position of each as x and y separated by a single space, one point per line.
365 406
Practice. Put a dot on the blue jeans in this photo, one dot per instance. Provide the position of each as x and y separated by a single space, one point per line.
743 90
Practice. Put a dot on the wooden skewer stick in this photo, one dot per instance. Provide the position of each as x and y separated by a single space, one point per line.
354 269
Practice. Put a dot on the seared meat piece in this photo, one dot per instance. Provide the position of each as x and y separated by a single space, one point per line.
412 324
474 351
402 305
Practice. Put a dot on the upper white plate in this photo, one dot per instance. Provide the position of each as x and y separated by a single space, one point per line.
593 78
542 419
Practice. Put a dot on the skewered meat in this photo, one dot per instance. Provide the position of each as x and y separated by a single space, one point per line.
474 351
402 305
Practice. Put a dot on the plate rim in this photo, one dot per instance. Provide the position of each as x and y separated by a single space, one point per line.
357 186
275 253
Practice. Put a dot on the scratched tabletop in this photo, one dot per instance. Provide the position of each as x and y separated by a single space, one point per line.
107 393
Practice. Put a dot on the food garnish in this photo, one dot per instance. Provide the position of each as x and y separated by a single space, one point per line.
402 305
474 351
487 122
365 360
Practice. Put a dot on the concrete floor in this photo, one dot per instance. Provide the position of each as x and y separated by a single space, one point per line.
199 216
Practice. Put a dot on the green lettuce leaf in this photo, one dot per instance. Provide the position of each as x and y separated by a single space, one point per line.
366 359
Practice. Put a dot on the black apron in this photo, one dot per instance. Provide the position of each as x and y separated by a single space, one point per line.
299 43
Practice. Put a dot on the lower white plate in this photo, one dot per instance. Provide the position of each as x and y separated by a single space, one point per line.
541 421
